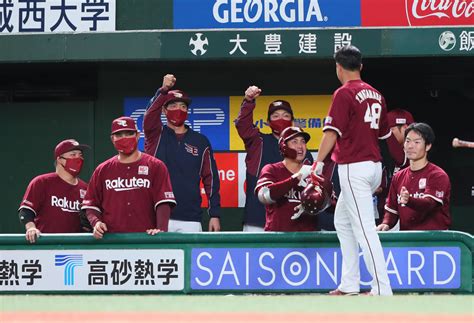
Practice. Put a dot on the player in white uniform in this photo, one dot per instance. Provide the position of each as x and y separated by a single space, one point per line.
357 120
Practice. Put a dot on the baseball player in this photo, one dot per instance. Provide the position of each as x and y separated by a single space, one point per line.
188 156
280 185
262 149
357 120
130 192
51 203
419 194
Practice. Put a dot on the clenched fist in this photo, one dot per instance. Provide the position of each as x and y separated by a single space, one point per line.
168 82
252 93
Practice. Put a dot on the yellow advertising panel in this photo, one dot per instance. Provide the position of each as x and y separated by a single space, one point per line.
309 111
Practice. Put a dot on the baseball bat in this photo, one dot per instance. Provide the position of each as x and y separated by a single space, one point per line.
457 143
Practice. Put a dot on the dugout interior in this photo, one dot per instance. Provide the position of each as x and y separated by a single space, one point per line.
43 103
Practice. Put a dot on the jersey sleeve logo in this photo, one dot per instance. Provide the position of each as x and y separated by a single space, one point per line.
169 195
142 170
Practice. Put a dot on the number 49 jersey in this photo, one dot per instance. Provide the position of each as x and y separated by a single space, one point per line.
359 116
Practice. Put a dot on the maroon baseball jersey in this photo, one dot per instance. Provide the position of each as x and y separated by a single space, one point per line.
278 215
359 115
126 195
429 182
55 203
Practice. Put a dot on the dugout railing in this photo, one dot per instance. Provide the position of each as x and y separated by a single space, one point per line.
234 262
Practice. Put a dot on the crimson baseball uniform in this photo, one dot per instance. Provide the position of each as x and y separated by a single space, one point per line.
358 115
278 214
429 182
127 195
358 141
261 149
55 203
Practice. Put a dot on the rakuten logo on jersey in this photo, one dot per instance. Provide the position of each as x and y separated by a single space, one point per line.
439 12
65 204
293 196
251 11
126 184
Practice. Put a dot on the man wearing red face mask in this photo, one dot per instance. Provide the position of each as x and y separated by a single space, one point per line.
262 149
188 156
51 203
130 192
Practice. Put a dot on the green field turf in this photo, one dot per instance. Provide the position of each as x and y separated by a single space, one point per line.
419 304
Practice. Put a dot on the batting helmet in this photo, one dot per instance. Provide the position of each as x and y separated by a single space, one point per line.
287 134
316 197
176 96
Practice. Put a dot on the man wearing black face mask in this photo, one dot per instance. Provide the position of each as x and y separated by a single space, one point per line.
262 149
188 156
51 203
130 192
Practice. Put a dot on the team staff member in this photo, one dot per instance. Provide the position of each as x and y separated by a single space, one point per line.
262 149
51 203
130 192
398 121
419 194
280 184
357 120
188 156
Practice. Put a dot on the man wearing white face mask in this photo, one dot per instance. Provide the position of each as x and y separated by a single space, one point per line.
188 156
51 203
262 149
130 192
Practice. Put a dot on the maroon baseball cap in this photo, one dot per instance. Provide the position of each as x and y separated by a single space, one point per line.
123 124
398 117
67 146
279 105
176 96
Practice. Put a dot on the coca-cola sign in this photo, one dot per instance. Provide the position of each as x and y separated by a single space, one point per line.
417 13
439 12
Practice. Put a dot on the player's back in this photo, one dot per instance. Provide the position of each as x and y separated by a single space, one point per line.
359 115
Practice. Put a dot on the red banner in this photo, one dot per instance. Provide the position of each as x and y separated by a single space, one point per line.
228 167
379 13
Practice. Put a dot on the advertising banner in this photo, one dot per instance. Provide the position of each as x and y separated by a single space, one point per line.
56 16
268 269
92 270
207 115
229 169
309 112
214 117
200 14
413 13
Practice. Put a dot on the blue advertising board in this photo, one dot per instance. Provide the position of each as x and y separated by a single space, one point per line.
196 14
319 268
206 115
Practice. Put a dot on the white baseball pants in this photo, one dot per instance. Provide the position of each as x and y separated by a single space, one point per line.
355 226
